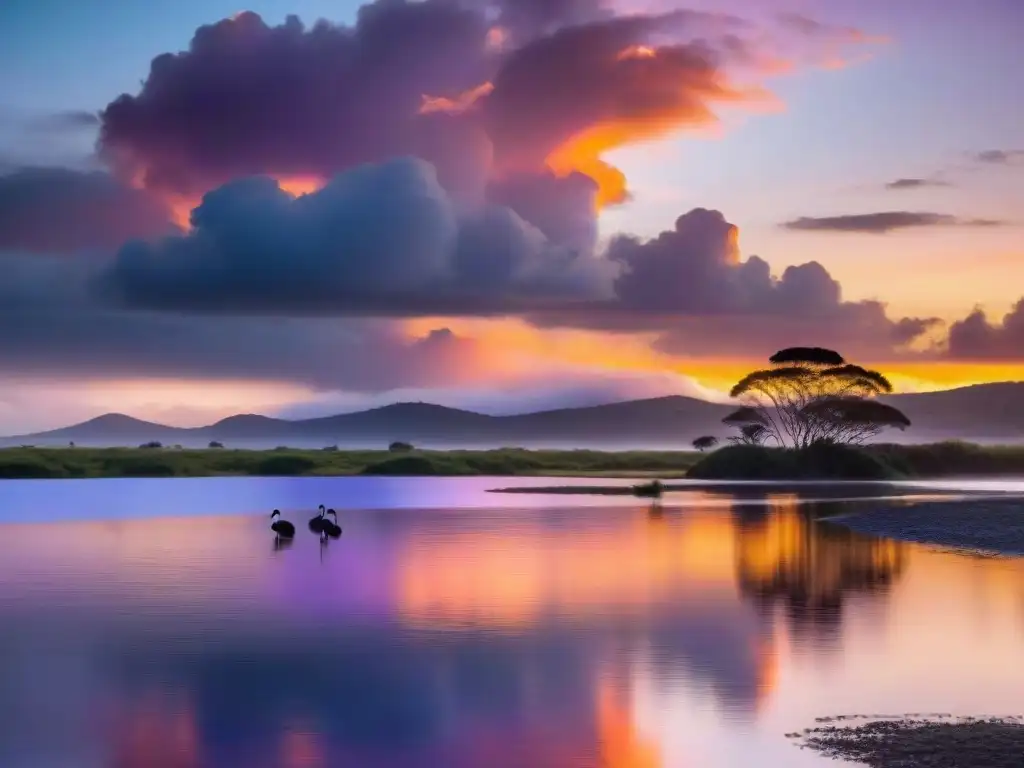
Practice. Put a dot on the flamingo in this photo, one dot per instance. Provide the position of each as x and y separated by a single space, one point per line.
332 529
316 524
282 528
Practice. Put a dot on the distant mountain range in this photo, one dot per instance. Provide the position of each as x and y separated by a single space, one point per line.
986 413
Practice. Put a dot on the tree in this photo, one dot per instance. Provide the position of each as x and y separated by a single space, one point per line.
400 447
810 395
703 443
215 444
750 434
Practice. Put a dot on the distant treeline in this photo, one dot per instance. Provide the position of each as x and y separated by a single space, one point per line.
401 459
732 462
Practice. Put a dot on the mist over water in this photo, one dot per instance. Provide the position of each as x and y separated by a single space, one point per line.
155 623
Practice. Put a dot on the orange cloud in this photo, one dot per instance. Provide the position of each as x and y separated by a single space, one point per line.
181 206
678 93
460 103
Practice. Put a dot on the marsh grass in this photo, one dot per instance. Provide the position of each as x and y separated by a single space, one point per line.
43 463
936 460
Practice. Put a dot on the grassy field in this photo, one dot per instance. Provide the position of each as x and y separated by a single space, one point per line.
170 462
935 460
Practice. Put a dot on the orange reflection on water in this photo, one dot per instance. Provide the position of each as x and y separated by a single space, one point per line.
619 742
502 577
783 552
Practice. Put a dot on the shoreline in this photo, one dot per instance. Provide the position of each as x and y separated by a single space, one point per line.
985 526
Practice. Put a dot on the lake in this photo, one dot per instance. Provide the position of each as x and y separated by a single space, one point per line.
155 624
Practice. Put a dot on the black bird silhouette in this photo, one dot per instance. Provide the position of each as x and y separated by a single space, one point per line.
316 524
331 527
282 528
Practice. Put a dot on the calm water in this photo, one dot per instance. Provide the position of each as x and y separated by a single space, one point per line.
153 624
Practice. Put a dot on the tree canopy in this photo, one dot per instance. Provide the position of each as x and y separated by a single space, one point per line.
810 395
705 442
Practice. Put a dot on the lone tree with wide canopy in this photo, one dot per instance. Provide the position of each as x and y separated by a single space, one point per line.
703 443
812 395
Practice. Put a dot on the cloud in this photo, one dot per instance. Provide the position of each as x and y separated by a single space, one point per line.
904 184
884 222
829 45
560 207
63 332
691 288
482 91
62 210
810 27
566 99
70 120
1000 156
380 239
977 338
295 101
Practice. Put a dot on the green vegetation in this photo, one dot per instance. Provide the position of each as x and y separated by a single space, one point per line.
820 461
39 463
733 462
705 443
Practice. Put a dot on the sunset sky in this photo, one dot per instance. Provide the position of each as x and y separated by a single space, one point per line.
503 205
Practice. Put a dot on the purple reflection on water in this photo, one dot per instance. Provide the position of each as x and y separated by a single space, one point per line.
559 636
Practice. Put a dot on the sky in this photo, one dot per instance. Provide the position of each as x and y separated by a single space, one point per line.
300 207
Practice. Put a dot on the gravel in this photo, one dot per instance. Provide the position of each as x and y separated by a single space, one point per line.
992 526
920 741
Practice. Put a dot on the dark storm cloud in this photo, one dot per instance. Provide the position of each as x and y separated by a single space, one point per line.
58 210
382 239
903 184
691 287
884 222
977 338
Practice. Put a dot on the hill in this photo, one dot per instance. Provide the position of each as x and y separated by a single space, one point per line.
985 413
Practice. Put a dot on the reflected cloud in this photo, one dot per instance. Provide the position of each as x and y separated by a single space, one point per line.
492 638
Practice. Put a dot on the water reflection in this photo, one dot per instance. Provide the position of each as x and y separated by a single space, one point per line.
785 559
553 637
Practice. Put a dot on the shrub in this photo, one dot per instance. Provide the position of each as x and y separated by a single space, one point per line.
135 466
26 468
819 461
284 465
414 466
